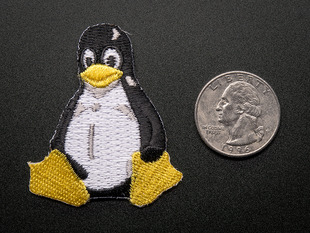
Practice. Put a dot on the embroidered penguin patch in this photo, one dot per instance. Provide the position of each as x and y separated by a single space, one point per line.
110 141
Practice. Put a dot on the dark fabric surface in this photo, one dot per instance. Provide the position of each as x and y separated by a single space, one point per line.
178 47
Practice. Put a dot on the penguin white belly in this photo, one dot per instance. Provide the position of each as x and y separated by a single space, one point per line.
102 136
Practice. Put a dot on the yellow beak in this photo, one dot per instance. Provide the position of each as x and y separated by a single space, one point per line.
99 75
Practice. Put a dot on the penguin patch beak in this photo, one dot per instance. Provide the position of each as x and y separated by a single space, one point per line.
99 75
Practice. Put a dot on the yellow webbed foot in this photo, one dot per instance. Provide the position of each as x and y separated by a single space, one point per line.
54 178
150 179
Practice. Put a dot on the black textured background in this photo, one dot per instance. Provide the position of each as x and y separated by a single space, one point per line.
179 46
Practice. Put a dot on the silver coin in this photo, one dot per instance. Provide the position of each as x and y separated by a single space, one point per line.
237 114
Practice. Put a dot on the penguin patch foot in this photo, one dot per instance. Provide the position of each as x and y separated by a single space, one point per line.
150 179
54 178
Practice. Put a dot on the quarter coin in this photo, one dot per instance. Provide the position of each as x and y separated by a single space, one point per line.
237 114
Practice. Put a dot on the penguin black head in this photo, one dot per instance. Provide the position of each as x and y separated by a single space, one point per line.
104 55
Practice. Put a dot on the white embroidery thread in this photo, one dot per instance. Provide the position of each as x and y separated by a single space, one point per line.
116 34
130 81
116 137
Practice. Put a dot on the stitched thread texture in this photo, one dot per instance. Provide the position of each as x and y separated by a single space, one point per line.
150 179
54 178
99 75
115 137
110 141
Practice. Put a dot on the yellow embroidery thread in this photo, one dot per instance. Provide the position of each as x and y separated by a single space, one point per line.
54 178
150 179
99 75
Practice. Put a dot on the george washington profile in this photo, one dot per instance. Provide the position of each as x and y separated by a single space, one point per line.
239 110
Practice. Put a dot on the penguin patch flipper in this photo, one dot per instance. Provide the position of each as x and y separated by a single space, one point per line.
153 135
58 139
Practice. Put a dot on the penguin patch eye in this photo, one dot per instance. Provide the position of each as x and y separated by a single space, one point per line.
111 57
88 57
